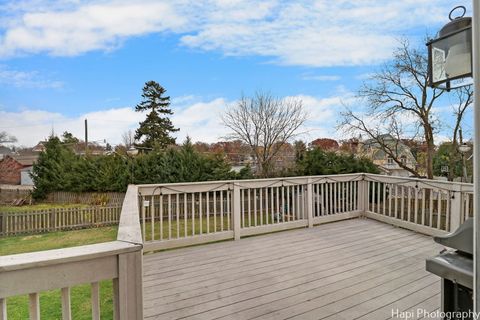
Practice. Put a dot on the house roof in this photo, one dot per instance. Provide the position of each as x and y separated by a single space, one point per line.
26 160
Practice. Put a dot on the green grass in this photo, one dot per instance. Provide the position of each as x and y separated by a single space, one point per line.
50 305
56 240
41 206
51 308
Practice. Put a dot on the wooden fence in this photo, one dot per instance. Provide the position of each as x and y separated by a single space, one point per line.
57 219
113 199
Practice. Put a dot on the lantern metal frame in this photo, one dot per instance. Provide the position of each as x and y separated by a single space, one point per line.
449 34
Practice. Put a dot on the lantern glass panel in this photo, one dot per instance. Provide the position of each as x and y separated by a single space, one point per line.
451 57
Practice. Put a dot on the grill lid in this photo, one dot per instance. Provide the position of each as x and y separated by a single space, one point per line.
461 239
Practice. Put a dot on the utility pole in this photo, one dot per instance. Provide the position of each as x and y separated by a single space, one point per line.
86 137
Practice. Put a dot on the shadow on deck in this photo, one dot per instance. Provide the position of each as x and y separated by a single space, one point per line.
353 269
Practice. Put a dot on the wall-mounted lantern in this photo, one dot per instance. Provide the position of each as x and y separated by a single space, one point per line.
450 54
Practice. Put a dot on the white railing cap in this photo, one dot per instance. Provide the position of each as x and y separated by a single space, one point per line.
57 256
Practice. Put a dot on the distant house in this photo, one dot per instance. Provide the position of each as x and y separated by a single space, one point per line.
4 151
325 144
15 169
372 150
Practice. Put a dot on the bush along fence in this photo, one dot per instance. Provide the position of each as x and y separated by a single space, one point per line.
57 219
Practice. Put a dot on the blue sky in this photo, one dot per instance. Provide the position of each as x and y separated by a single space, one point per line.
63 61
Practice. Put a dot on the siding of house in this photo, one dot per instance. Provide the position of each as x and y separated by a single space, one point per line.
10 171
26 180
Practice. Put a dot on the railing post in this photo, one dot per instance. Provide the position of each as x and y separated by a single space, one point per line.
362 195
310 202
236 211
456 208
129 295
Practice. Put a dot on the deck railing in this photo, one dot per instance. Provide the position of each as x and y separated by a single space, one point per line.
163 216
428 206
118 261
182 214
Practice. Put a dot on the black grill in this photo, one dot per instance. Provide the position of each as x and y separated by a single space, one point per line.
455 266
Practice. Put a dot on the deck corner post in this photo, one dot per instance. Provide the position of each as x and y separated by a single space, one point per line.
310 202
236 211
129 295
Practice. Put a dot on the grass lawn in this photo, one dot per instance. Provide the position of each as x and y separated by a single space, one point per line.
55 240
50 303
41 206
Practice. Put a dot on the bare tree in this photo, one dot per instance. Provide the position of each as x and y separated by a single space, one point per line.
464 97
128 139
265 123
400 104
6 138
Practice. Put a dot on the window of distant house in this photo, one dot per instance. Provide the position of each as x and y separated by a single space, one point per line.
389 160
403 160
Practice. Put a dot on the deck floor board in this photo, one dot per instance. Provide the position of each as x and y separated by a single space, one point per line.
353 269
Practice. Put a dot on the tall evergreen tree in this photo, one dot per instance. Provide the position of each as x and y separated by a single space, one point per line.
156 129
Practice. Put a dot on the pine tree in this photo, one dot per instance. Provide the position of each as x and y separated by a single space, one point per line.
156 129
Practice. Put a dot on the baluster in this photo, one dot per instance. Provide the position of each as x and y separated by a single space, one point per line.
34 306
267 195
214 211
177 213
289 202
95 290
169 212
430 220
208 210
185 215
3 309
272 221
221 209
277 195
423 206
249 208
439 209
152 214
415 218
228 209
200 213
144 236
161 217
242 207
261 206
193 214
66 306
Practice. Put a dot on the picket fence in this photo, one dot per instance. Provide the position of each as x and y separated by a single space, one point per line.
57 219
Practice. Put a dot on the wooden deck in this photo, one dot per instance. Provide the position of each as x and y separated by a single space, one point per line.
353 269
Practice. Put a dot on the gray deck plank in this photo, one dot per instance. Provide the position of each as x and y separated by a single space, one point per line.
351 269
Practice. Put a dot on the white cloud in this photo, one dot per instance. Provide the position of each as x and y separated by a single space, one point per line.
26 79
198 119
86 27
321 33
